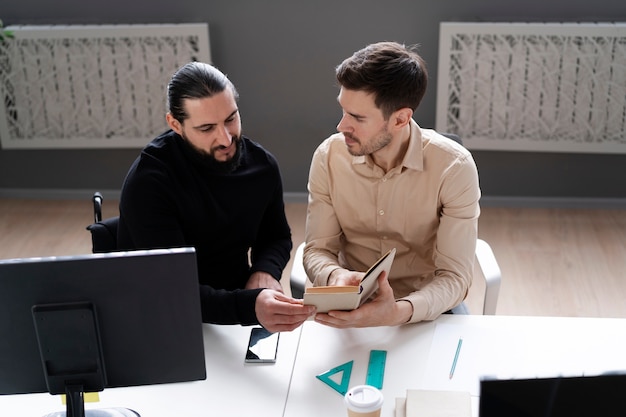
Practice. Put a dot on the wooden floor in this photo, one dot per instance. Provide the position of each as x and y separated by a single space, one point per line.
554 262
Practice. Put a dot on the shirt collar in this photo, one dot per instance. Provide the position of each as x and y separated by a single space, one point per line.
414 158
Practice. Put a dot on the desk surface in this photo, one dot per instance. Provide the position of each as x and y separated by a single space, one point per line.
232 387
418 356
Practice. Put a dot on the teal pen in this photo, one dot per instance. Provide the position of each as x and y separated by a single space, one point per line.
456 357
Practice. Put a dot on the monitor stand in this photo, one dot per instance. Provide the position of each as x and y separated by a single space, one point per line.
71 356
75 406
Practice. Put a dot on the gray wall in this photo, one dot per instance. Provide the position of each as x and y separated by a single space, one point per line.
281 55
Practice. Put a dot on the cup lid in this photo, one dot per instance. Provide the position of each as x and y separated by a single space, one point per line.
364 398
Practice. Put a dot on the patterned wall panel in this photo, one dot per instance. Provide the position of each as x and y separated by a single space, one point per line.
91 86
534 87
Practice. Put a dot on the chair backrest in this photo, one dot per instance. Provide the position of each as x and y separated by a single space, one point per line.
104 235
454 137
103 232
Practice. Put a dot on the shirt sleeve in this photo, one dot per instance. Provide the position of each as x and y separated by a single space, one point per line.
323 230
273 248
454 252
228 307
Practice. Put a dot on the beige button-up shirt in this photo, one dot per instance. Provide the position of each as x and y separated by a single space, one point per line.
427 208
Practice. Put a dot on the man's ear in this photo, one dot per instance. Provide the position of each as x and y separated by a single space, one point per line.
174 124
400 118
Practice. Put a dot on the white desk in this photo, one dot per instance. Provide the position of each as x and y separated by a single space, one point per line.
232 388
494 345
497 345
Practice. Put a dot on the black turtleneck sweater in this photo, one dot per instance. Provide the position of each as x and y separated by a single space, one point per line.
170 198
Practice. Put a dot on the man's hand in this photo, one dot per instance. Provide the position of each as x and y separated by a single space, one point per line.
279 313
383 310
261 279
342 276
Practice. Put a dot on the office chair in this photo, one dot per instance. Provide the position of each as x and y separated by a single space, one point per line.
103 232
485 260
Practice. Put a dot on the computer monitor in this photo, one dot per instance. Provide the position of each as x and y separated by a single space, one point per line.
575 396
75 324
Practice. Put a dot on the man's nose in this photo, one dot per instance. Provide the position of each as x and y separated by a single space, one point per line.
343 126
224 136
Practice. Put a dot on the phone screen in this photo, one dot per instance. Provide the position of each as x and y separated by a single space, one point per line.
262 346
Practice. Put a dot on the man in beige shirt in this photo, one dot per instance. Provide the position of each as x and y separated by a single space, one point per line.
383 182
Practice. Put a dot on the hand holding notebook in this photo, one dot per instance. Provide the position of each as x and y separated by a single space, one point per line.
349 297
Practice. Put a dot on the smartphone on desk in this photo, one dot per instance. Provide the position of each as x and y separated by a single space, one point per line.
262 346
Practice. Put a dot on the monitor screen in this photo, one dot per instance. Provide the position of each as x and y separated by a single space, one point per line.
115 319
577 396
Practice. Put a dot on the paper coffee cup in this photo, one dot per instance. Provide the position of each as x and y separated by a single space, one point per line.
364 401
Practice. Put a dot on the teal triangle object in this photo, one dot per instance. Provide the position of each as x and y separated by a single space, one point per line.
340 387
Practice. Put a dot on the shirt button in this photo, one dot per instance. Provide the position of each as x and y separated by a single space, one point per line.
384 237
384 179
381 212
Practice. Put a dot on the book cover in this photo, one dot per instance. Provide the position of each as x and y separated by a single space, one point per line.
431 403
349 297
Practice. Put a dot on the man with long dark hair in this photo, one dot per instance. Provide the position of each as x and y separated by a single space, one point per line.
203 184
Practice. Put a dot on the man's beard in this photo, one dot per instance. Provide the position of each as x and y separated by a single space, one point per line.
208 160
382 139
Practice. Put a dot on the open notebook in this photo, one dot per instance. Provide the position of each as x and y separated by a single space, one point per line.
349 297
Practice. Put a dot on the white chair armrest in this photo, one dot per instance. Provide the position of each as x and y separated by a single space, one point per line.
298 278
493 276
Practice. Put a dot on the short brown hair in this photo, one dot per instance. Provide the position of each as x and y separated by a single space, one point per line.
394 73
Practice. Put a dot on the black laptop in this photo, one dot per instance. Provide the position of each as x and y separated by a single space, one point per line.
588 396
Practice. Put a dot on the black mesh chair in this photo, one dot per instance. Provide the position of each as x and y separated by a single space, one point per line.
103 232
